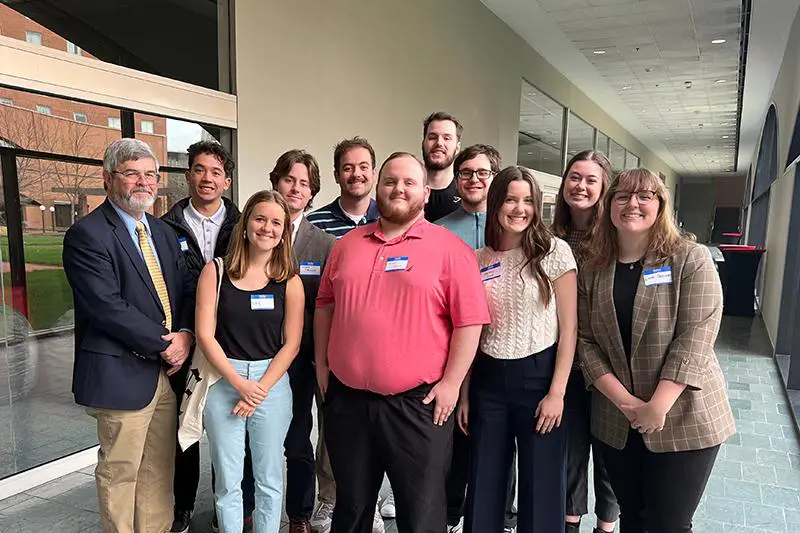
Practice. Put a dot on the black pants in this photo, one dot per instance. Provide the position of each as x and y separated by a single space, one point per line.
504 395
457 482
187 463
578 407
298 449
368 435
657 492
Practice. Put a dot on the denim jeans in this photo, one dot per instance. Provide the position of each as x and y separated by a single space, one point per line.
266 430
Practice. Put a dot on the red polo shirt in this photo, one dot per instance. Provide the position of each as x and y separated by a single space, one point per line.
396 304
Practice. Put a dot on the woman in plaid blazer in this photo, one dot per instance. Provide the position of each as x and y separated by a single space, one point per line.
649 310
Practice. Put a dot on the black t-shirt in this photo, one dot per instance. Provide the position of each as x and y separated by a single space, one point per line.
626 281
442 202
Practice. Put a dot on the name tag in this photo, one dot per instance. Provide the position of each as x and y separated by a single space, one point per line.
657 276
310 268
184 244
262 302
394 264
490 272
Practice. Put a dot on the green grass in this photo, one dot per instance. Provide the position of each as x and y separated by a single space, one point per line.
39 249
49 297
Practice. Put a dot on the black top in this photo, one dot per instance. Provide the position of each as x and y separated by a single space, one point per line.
250 323
442 202
626 281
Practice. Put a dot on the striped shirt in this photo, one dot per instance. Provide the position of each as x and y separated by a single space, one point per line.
333 220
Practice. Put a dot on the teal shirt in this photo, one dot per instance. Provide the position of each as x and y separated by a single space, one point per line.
469 226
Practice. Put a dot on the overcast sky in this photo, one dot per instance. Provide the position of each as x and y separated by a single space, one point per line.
181 134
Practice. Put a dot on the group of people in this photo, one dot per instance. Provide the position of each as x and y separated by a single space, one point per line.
451 340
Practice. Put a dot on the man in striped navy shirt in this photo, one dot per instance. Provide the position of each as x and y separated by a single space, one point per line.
354 171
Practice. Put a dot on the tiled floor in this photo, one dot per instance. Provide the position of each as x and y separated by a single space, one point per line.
755 487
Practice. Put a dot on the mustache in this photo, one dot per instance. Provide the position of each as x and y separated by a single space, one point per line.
141 189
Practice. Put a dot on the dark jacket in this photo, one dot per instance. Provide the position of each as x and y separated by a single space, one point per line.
194 256
119 319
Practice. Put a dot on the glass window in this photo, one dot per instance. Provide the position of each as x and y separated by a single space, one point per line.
80 116
540 128
631 160
44 109
617 155
115 122
602 143
580 136
73 49
6 101
148 126
33 37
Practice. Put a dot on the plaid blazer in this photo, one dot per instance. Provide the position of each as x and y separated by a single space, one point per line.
673 332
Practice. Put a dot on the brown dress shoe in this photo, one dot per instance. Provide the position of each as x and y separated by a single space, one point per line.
299 526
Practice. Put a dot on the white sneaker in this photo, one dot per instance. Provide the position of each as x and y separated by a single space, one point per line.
387 507
377 522
322 517
458 528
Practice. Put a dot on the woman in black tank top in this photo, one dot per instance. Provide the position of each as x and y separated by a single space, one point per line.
251 336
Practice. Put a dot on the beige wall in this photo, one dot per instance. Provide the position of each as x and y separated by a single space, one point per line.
785 97
376 68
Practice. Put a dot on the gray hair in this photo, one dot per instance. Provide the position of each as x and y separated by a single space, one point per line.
124 150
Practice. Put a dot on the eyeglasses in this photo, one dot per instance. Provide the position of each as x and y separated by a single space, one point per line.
643 197
133 176
482 173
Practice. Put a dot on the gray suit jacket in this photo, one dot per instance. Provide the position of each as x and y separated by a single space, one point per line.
673 332
311 252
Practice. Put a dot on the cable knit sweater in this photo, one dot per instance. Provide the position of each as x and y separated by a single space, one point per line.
521 324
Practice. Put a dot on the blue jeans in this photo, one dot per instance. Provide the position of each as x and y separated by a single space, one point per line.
266 430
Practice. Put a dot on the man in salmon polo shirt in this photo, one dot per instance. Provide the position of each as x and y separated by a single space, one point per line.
399 315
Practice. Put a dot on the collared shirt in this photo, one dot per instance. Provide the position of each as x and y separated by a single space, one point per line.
205 229
295 227
469 226
130 225
404 297
333 219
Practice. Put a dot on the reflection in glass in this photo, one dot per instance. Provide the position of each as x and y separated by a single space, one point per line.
580 136
602 142
617 155
540 129
631 160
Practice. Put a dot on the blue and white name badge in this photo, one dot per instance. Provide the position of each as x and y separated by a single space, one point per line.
657 276
262 302
310 268
490 272
184 244
393 264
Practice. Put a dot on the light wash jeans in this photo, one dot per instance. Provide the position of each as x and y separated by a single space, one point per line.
266 429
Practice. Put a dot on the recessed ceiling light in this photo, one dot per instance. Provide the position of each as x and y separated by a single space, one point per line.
721 81
724 136
599 52
626 87
718 41
530 153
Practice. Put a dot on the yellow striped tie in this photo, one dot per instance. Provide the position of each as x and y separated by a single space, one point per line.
155 272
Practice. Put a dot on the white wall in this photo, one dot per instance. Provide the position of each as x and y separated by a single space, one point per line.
311 73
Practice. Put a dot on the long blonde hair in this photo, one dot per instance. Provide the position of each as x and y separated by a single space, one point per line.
665 237
281 264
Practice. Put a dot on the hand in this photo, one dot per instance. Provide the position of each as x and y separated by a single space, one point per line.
647 418
633 401
173 370
243 409
180 342
251 392
323 374
446 396
548 413
463 415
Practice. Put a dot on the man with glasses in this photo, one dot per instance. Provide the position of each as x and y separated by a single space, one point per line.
134 313
203 222
441 141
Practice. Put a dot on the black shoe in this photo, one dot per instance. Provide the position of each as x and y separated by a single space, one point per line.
215 524
572 527
181 522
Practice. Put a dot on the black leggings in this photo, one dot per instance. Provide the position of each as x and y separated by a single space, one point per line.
657 492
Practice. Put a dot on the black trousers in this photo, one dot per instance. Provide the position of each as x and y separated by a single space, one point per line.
187 463
504 395
657 492
578 407
457 482
368 435
298 449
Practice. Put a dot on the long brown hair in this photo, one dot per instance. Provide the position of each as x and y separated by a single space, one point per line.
562 220
537 239
281 264
665 237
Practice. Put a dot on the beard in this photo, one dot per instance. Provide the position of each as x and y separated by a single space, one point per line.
135 204
399 214
436 165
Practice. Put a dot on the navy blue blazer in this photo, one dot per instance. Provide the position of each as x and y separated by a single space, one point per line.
119 319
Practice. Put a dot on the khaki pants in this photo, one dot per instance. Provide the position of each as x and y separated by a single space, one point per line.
135 464
327 486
